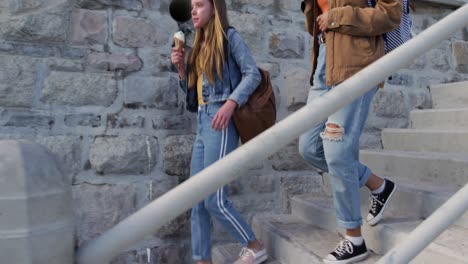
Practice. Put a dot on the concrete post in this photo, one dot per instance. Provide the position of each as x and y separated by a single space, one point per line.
36 216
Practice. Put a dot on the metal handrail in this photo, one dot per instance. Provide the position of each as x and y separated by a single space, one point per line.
428 230
178 200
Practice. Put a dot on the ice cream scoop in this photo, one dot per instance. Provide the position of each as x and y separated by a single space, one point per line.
179 39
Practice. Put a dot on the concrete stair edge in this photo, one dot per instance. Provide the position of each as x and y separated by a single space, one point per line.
444 169
449 95
379 238
439 118
306 243
227 253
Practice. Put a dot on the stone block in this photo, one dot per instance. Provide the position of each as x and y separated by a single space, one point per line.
73 53
247 205
138 33
247 25
17 81
161 254
263 183
291 5
438 59
289 159
88 27
401 78
296 83
27 118
54 64
101 4
155 61
86 120
126 119
5 47
123 154
286 45
152 92
33 21
261 4
272 68
35 50
113 62
419 99
67 149
100 207
171 122
79 89
460 56
294 184
177 154
177 227
390 103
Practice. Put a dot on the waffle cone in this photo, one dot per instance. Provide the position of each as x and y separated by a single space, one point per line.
179 44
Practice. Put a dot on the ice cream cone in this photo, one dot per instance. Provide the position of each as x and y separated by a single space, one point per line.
179 39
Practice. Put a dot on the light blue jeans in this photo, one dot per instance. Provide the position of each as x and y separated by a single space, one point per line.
339 156
210 146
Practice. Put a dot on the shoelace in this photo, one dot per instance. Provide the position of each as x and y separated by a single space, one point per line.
246 253
343 247
373 201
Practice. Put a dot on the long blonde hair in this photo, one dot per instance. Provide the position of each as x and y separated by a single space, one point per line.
212 54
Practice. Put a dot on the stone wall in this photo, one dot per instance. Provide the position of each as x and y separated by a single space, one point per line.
92 81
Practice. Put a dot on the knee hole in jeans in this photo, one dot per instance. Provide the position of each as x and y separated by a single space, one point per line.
333 132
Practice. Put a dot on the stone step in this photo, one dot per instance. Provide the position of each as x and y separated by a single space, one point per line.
424 140
425 199
450 169
228 253
450 95
439 118
293 241
449 247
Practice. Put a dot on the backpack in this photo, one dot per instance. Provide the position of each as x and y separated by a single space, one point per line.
400 35
259 113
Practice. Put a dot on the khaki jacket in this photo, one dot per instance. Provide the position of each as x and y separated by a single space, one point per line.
354 37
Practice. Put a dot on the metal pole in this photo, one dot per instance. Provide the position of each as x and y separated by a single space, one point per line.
428 230
178 200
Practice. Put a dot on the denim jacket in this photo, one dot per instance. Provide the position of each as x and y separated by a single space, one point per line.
240 72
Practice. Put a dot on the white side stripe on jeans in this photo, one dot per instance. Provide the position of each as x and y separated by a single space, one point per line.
222 209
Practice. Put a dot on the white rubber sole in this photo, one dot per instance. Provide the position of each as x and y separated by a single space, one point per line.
348 261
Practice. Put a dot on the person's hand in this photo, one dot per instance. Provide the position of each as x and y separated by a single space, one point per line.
322 21
223 116
177 58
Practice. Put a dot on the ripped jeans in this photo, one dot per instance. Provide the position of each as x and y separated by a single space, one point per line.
335 149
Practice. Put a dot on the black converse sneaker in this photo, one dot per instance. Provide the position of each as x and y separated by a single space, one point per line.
378 202
346 252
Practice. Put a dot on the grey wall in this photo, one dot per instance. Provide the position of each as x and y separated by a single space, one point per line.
91 80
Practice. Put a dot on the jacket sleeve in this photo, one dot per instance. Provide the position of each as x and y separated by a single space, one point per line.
367 21
250 75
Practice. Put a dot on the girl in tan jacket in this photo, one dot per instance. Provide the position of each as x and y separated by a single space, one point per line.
347 36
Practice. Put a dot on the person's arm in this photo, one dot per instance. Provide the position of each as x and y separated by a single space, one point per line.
250 79
368 21
250 75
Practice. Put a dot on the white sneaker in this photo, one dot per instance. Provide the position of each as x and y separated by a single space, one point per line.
248 256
